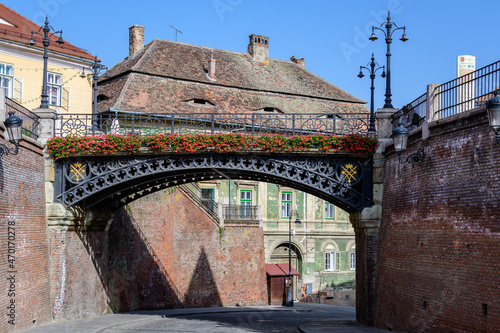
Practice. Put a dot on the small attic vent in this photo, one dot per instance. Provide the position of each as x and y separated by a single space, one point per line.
102 97
200 101
269 110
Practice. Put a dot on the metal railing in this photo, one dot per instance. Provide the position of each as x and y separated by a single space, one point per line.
121 122
413 114
468 91
207 204
240 213
458 95
30 120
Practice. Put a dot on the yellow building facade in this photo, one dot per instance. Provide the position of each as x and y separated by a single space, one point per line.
21 68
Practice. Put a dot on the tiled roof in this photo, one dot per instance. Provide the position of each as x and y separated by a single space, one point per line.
190 62
19 30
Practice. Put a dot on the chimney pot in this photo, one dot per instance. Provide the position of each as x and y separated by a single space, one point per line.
136 39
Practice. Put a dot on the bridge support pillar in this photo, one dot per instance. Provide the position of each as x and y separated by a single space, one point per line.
366 226
47 124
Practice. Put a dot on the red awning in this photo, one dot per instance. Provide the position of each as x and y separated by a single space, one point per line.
279 270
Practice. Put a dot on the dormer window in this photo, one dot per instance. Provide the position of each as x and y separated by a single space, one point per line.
200 101
269 110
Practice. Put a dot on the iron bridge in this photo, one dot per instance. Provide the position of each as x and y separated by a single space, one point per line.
116 181
92 181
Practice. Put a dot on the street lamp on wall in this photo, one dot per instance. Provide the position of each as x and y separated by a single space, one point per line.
388 40
493 107
46 42
372 70
14 130
289 299
400 136
97 70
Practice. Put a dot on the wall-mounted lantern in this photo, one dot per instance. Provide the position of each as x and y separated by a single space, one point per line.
493 107
400 136
14 130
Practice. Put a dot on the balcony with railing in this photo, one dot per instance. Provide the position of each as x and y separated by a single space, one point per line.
246 214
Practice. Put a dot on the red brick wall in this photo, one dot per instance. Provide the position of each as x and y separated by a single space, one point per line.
180 258
79 274
439 253
22 207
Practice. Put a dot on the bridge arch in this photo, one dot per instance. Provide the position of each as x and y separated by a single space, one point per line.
115 181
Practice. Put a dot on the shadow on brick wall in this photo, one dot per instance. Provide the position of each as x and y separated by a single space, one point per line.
133 275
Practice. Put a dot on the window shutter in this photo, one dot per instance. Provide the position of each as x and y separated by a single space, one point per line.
18 88
66 98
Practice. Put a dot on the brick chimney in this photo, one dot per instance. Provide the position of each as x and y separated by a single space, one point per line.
135 39
211 66
258 48
301 62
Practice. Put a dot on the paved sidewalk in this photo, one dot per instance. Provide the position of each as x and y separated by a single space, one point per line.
344 321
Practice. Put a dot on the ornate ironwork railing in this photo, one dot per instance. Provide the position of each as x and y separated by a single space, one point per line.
120 122
30 120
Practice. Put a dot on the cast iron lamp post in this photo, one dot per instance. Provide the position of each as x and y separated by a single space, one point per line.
493 107
388 39
46 42
372 70
289 299
97 69
13 125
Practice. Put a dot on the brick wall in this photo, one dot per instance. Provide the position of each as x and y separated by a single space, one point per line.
22 208
166 252
439 253
79 274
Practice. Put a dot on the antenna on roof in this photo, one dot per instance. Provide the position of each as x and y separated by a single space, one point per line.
175 32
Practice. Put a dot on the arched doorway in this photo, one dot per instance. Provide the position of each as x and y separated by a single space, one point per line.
280 255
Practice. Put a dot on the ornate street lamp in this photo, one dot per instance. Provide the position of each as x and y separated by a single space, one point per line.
14 130
493 107
388 39
289 299
372 70
46 42
97 70
400 136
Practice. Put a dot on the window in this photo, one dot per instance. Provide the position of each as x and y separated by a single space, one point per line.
286 204
6 78
332 259
246 203
54 88
207 198
353 258
329 211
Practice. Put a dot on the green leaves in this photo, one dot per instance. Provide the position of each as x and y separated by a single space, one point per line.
61 147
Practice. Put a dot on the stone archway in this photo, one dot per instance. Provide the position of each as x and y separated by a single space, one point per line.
280 255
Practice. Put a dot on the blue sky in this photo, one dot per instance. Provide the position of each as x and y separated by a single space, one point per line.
331 35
